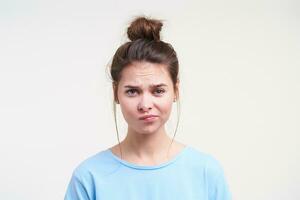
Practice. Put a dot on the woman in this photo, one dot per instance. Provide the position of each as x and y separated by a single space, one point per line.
147 164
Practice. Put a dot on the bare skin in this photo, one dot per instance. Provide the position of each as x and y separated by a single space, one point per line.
157 158
146 89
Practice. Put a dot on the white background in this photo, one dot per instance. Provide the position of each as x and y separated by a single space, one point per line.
240 89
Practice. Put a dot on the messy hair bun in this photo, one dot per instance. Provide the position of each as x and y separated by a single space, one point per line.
144 28
145 46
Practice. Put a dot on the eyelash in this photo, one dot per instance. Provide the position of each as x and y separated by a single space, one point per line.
161 91
130 91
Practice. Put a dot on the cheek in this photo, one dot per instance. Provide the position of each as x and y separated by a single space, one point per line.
166 106
128 108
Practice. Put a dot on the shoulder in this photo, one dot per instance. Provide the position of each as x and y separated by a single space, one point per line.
99 164
205 161
83 181
212 170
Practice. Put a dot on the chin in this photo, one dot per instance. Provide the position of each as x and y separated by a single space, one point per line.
147 130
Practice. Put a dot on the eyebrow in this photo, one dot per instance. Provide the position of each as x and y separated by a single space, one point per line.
152 85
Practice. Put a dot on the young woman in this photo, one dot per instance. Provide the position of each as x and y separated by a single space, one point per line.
147 164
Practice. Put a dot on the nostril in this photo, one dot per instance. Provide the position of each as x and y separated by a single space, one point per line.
144 108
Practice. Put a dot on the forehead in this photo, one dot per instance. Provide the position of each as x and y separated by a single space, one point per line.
139 73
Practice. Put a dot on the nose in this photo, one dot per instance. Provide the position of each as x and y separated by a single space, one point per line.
145 103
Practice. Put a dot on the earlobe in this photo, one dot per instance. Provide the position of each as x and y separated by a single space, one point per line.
115 86
116 99
176 96
176 91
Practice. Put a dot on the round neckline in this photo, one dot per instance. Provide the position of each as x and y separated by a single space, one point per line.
136 166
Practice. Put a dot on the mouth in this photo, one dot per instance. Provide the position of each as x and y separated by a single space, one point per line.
148 118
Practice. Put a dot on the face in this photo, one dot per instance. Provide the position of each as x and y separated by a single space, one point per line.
146 94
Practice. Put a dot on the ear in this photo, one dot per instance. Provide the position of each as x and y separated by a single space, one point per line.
115 90
176 90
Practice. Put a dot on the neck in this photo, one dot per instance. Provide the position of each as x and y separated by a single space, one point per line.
146 145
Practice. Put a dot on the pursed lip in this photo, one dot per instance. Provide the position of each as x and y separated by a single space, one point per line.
147 116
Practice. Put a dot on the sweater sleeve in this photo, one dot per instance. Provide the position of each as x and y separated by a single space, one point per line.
217 185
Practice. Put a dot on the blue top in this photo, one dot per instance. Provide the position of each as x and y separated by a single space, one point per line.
190 175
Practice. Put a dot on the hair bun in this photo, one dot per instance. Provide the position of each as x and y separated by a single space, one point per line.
144 28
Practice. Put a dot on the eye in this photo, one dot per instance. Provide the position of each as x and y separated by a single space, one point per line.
131 92
159 91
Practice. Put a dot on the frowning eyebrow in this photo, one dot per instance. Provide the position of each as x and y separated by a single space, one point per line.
151 86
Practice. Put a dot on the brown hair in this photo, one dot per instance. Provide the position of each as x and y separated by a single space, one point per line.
144 46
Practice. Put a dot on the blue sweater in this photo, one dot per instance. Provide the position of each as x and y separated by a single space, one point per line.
191 175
